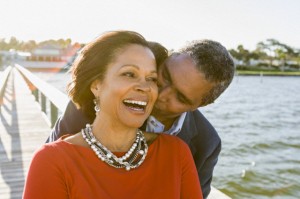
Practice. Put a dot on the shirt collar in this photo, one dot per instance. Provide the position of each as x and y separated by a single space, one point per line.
153 125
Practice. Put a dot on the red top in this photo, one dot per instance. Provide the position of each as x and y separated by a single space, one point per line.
64 170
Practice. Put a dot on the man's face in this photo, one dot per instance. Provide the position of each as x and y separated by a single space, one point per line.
181 87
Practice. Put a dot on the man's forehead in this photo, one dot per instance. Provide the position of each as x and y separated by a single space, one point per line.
179 59
177 55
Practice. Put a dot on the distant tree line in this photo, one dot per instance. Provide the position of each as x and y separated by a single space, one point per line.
269 55
28 46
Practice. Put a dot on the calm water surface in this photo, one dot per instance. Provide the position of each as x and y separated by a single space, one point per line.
258 120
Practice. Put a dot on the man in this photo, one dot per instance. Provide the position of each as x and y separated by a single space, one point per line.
187 80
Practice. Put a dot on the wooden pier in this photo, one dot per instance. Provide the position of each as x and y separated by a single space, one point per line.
24 127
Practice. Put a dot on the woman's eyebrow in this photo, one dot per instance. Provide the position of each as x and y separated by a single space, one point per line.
136 67
130 65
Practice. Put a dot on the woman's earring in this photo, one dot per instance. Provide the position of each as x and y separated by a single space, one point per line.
96 107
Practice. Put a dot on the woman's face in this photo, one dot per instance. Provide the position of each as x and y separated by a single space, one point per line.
129 90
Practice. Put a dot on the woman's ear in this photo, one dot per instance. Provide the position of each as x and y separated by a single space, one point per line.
95 87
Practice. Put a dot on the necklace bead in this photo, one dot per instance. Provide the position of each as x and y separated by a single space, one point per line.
133 158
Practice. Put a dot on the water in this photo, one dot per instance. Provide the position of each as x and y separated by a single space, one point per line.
258 120
58 80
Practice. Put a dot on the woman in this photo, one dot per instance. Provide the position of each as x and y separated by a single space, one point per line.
115 76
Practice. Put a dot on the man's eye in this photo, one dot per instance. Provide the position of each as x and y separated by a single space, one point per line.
166 80
180 99
165 77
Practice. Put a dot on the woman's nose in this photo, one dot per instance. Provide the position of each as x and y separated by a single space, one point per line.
144 86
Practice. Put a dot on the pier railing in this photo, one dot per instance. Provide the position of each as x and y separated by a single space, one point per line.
3 82
44 94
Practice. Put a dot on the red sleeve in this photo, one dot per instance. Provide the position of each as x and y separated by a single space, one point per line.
190 185
45 178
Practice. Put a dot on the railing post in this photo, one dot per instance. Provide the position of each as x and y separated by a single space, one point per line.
3 83
35 93
54 114
43 103
44 92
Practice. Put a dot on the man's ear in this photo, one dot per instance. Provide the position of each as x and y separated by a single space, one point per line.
95 87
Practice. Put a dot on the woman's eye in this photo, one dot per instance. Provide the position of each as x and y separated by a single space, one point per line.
128 74
153 79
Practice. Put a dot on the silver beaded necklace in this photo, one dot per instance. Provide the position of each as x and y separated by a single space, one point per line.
132 158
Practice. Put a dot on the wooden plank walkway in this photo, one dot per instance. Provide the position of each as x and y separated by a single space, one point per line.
23 129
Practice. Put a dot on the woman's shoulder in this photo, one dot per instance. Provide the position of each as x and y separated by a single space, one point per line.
57 152
54 148
150 137
172 139
47 152
75 139
51 147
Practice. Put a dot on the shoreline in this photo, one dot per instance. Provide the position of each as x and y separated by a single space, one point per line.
267 73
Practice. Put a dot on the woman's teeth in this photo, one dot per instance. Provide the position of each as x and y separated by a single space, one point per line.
135 105
141 103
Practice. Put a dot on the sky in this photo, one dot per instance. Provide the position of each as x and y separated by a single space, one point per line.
171 22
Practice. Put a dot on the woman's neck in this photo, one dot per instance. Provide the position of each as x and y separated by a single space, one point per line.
117 138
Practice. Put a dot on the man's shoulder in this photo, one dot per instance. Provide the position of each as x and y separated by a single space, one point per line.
200 121
200 128
74 117
71 121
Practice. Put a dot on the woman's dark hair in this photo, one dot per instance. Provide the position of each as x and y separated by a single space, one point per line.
159 51
91 64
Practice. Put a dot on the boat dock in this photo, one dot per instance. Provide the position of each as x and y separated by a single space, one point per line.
26 103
